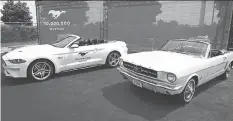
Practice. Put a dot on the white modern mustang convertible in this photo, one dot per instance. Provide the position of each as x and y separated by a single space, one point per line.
70 53
177 68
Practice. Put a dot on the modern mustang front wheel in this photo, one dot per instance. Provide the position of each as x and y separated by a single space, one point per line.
188 92
40 70
113 59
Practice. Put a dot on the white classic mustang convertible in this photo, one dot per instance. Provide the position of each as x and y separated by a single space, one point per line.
72 52
177 68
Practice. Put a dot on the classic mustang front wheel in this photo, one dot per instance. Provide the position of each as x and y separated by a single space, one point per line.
113 59
188 92
40 70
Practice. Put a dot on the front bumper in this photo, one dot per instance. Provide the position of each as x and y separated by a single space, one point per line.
14 70
154 85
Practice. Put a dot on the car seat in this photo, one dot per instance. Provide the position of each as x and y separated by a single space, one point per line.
95 41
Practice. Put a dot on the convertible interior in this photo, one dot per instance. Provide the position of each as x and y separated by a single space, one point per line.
215 52
91 42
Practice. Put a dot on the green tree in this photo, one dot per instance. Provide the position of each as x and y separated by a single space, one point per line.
16 12
219 4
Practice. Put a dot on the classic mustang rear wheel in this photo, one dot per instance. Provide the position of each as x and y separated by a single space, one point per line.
226 74
232 65
113 59
188 92
40 70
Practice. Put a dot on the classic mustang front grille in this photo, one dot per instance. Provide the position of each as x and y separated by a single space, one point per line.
140 70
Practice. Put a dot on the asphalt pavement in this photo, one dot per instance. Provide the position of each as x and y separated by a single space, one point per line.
101 94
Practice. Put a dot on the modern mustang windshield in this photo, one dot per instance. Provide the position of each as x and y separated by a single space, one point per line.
194 48
63 42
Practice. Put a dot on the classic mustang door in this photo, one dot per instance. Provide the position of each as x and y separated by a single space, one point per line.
81 57
216 65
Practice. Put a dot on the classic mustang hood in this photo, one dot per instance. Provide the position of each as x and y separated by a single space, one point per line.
164 61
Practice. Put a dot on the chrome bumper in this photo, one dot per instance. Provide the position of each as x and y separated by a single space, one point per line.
151 84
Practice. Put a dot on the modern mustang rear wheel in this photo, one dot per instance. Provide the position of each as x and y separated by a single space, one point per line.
188 92
41 70
113 59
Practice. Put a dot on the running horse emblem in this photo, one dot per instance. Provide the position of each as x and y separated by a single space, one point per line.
56 14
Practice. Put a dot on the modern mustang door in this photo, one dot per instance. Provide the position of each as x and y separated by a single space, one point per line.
101 52
81 57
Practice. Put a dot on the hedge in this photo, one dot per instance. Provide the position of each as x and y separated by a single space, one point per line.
18 33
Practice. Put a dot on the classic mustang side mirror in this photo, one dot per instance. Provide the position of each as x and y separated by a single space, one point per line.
223 51
74 46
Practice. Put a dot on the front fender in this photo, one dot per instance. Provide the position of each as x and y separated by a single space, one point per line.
46 58
191 76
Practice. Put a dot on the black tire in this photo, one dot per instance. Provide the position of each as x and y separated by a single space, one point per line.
111 55
38 65
232 65
226 74
182 97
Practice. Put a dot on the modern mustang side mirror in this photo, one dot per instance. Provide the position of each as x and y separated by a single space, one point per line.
74 46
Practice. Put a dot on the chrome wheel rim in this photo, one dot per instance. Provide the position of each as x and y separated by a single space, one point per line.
189 90
114 59
41 71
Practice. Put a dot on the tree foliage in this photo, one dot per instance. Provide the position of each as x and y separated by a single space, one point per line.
16 12
219 4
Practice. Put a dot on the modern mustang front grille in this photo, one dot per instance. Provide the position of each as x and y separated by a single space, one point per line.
140 70
4 63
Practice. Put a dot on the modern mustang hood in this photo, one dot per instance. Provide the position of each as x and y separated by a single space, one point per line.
35 48
31 50
163 61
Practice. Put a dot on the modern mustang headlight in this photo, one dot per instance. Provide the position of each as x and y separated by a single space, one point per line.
17 61
171 77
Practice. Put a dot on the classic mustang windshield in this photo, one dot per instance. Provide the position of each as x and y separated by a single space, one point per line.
63 42
194 48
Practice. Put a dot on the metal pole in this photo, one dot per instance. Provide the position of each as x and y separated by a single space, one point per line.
230 37
38 21
153 44
101 23
202 13
213 13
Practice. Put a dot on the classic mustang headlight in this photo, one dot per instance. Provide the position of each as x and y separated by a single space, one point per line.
17 61
171 77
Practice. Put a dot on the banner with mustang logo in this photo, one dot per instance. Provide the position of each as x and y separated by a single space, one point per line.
53 21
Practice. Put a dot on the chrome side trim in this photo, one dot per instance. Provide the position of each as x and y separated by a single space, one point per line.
169 87
75 69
